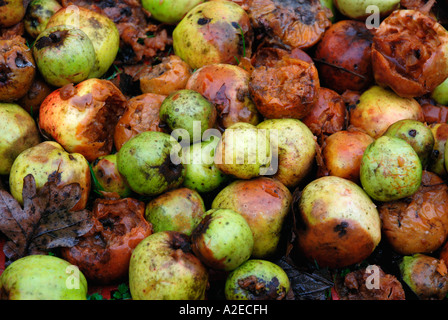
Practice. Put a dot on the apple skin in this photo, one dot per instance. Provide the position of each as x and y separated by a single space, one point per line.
82 118
169 11
11 12
265 279
146 162
223 239
356 9
162 267
63 55
19 132
42 277
49 158
211 33
99 28
201 174
337 223
264 203
37 15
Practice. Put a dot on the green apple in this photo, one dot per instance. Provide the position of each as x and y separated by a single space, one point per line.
176 210
390 169
201 173
169 11
42 277
37 15
257 280
63 55
357 9
417 134
188 110
330 5
295 147
223 239
150 163
47 159
162 267
19 132
440 93
244 151
101 30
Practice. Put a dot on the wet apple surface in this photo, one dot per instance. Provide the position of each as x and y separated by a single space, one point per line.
225 150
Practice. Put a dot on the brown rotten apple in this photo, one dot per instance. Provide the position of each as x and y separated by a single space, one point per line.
82 118
17 69
410 53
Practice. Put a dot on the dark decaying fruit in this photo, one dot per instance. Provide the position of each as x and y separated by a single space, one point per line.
409 53
343 56
17 69
141 114
419 223
289 23
289 89
103 254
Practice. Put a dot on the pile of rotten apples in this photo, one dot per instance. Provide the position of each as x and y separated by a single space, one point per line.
250 149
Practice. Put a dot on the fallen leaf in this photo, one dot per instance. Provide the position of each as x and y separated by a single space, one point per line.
45 221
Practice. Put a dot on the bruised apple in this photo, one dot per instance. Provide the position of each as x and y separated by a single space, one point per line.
63 54
176 210
264 203
342 154
329 114
417 134
337 223
288 89
103 253
163 267
37 15
82 118
101 30
418 224
438 155
49 160
378 108
166 77
19 132
227 87
343 56
390 169
213 32
11 12
294 149
17 69
106 173
410 53
141 114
